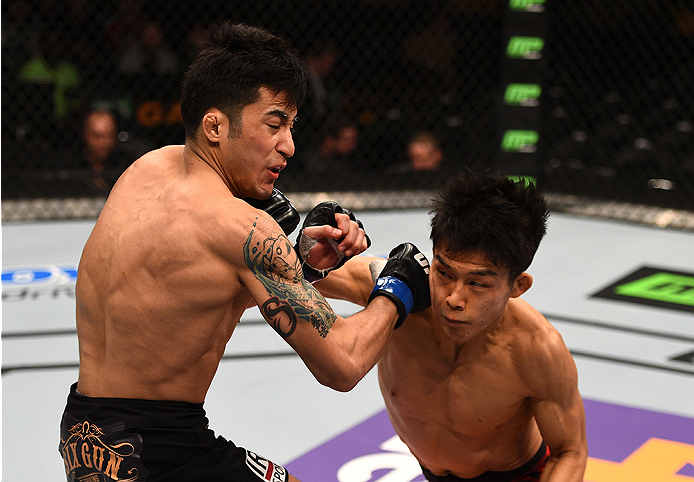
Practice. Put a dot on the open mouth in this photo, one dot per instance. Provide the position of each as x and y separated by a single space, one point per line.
275 171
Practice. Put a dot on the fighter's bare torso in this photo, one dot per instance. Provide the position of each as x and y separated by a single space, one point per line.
173 256
464 408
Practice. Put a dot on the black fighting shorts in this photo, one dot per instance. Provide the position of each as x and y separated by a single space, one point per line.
106 439
531 471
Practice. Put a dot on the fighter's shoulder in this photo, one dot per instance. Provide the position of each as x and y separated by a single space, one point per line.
539 350
158 159
233 224
534 335
240 217
152 170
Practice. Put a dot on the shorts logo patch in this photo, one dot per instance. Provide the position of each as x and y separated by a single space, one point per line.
94 453
264 468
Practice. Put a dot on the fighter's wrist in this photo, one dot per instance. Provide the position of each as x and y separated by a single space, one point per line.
398 292
388 307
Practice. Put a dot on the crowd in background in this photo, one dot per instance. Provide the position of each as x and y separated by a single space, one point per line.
616 103
66 60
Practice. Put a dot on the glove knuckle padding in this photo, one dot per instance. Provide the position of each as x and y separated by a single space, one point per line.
406 264
280 208
322 214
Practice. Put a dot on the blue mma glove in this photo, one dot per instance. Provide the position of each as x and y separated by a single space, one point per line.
405 281
280 208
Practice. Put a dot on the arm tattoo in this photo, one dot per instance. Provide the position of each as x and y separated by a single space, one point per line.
292 298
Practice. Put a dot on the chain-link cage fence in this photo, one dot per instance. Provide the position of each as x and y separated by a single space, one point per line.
595 100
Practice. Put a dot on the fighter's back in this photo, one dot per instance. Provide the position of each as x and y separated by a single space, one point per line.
155 283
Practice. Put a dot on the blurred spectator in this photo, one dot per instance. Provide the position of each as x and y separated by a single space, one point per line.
424 166
347 140
320 102
98 156
149 54
330 162
100 139
102 156
335 153
423 153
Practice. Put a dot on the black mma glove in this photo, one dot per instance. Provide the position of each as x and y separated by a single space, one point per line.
405 281
280 208
320 215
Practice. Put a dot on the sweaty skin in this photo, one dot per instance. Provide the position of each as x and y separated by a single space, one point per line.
476 382
176 256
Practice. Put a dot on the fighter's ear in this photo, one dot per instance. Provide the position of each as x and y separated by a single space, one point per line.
521 284
210 124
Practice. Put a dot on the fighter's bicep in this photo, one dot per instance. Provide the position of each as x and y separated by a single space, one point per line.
562 426
284 297
558 408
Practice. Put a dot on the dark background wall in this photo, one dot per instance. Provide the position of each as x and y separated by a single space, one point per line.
614 120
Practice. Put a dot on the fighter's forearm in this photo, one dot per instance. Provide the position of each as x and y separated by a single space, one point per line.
352 282
353 346
569 467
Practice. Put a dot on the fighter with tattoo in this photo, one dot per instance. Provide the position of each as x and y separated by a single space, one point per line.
290 293
189 238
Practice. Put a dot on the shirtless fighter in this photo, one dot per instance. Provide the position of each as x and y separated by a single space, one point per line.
177 255
479 386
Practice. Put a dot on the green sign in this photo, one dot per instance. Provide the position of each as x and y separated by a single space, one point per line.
527 5
667 287
522 94
525 47
516 140
655 287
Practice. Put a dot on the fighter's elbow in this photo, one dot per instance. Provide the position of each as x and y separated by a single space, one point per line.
342 379
339 385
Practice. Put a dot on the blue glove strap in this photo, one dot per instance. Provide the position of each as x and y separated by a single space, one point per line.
398 288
